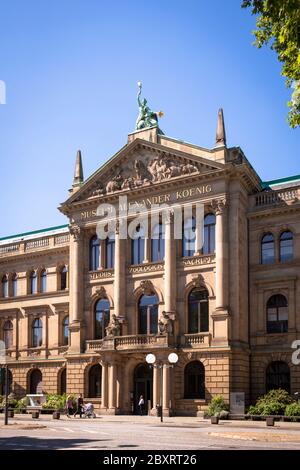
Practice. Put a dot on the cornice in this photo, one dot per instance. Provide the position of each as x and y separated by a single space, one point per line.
272 210
34 254
148 190
32 297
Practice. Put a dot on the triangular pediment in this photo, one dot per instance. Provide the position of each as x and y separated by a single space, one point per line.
142 164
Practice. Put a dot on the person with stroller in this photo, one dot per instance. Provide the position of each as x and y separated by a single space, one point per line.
79 409
88 410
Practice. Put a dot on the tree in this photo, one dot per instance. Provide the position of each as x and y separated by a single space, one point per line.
278 25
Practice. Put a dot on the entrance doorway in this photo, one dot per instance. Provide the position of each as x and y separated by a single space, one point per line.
143 380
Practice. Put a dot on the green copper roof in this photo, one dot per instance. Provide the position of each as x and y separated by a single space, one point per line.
34 232
287 179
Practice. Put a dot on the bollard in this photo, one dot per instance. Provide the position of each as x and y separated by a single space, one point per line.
35 414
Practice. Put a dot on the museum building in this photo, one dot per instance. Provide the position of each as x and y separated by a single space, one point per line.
79 314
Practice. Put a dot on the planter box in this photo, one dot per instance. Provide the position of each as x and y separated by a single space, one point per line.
35 414
214 420
270 421
56 415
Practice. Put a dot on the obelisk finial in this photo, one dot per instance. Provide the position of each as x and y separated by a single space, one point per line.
78 173
220 135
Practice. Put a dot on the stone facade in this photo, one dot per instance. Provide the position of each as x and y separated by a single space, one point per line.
235 351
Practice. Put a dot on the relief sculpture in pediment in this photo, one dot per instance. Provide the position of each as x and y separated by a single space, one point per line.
144 171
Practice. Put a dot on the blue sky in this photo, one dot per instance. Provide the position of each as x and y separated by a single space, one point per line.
71 68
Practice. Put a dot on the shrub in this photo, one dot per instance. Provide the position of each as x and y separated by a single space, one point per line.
54 402
217 405
21 404
273 403
292 410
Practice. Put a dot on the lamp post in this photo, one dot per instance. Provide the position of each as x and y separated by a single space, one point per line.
159 364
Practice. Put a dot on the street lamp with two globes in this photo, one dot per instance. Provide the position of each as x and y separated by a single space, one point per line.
159 364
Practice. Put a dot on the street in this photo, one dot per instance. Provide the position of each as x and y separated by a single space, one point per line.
144 433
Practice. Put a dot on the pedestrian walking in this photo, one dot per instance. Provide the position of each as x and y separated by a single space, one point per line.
79 409
69 406
141 405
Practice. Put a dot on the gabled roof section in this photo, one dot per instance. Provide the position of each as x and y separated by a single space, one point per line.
140 163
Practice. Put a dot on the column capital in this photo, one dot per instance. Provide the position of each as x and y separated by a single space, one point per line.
76 231
219 205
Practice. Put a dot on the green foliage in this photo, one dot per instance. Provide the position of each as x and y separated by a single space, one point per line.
273 403
21 404
278 24
217 405
55 402
293 409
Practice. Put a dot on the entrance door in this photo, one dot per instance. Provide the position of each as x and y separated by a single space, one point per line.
143 378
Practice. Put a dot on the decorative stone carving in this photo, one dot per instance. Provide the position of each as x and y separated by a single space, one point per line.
165 324
76 231
100 291
114 327
198 281
144 170
147 287
219 206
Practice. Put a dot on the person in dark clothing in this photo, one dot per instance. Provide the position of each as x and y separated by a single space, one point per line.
141 405
79 409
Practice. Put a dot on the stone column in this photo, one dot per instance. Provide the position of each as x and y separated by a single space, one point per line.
147 249
102 254
155 391
166 389
104 385
76 286
119 275
170 266
222 257
112 386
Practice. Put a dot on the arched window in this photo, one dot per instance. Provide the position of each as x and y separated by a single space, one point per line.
36 382
278 376
188 237
102 308
43 280
32 283
198 311
286 250
94 253
194 380
8 334
95 374
158 243
277 314
5 286
64 278
14 285
110 252
37 333
138 246
148 314
267 249
209 234
65 335
63 381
